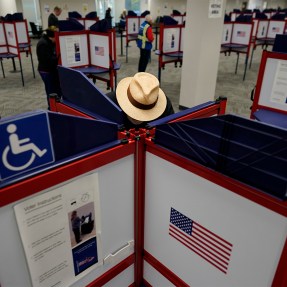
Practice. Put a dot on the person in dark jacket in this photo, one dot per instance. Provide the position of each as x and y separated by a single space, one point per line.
144 42
53 17
47 63
142 100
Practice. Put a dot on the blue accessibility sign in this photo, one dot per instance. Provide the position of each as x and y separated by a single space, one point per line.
25 144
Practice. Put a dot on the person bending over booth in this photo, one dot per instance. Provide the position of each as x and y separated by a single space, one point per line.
141 99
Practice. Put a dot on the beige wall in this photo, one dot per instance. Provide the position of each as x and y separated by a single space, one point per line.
67 6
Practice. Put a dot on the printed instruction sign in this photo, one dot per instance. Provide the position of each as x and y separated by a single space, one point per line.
73 48
60 232
215 8
279 89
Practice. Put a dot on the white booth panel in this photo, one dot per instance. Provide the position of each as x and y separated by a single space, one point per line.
256 234
116 209
125 279
153 277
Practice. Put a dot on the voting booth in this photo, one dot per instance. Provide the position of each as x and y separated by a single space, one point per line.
197 198
237 38
93 53
132 28
14 40
270 98
265 33
170 50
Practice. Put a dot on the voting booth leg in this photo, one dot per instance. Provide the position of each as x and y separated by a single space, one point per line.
245 67
2 68
159 73
32 63
21 70
237 63
127 53
251 57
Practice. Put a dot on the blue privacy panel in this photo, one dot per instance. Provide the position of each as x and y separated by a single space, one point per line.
243 149
77 89
40 139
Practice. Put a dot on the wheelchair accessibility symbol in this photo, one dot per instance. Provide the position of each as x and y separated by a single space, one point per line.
19 146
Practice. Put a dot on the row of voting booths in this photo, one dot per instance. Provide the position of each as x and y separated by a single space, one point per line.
91 51
244 37
14 40
197 198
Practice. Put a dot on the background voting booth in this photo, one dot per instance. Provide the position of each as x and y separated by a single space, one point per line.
236 37
171 39
265 33
184 202
93 53
14 40
132 28
270 98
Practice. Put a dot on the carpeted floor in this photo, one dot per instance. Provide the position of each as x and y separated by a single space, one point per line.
16 99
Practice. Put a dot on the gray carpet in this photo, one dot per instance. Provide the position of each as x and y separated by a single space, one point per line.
16 99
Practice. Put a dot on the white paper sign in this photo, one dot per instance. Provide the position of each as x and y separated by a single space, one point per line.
73 48
60 232
279 89
215 8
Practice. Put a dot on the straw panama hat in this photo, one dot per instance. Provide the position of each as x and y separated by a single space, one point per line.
140 97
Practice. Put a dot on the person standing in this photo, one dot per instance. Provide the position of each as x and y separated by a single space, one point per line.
53 17
47 63
144 42
109 17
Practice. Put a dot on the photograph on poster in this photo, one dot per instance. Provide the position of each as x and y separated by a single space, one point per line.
77 52
82 224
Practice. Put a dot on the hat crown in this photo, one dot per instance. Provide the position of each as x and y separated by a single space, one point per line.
144 88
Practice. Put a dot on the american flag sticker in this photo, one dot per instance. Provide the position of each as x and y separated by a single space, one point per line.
100 51
275 29
241 33
206 244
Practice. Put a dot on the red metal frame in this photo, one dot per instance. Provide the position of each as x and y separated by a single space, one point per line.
265 56
30 186
280 207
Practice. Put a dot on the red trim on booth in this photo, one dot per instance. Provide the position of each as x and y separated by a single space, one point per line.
280 278
167 273
110 274
29 186
140 158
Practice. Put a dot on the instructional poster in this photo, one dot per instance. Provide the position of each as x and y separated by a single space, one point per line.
60 232
279 89
73 49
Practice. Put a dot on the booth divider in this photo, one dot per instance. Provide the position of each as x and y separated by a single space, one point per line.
170 50
14 40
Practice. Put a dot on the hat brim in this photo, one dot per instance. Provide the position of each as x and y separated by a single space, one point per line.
134 112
